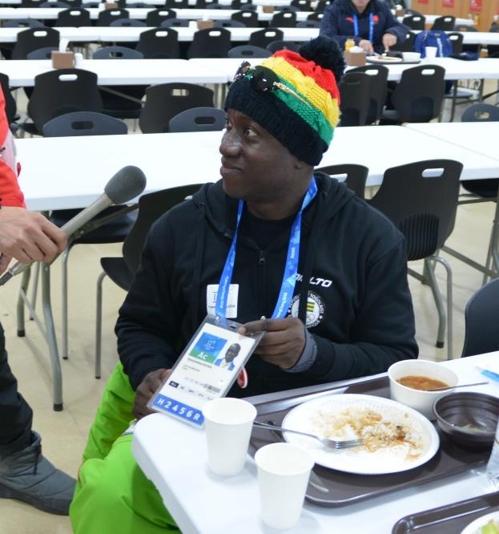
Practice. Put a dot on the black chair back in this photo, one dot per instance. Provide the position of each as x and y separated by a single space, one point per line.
211 42
480 321
200 119
159 43
84 123
414 22
157 16
378 90
352 174
73 17
355 88
283 19
445 23
264 37
164 101
248 18
248 52
33 39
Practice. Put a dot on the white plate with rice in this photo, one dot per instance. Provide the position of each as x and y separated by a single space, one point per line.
396 437
478 525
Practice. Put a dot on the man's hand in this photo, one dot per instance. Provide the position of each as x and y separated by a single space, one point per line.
389 40
28 236
146 390
282 343
367 46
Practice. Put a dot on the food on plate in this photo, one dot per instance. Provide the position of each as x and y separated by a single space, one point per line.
424 383
492 527
377 431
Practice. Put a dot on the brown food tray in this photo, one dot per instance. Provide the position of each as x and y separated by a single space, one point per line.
348 488
449 519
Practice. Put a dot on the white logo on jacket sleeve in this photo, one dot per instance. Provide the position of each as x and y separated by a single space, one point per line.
315 309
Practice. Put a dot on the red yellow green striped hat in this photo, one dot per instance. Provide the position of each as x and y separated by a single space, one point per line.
294 96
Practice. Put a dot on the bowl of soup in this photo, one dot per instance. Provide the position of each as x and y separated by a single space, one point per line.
420 383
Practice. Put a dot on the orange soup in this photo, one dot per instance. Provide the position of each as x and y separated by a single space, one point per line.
422 382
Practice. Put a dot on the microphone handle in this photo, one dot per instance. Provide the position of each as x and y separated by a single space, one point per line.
98 205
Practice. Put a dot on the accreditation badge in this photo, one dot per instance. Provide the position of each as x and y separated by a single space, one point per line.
205 370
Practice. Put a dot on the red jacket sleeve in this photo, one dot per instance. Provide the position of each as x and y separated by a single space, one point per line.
10 192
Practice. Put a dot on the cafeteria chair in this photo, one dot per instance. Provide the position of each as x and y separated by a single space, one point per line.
57 4
248 52
42 53
112 225
107 16
228 24
248 18
274 46
121 269
483 190
156 16
164 101
265 36
84 123
210 43
32 39
353 174
239 4
23 23
31 3
177 4
407 45
308 24
175 23
283 19
159 43
414 22
480 321
420 198
315 16
129 105
321 5
128 22
200 119
355 97
10 102
302 5
444 23
61 91
378 90
74 17
418 97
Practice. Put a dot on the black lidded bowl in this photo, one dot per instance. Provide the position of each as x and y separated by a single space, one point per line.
468 419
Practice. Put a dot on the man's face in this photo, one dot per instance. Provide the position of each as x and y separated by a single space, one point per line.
360 4
255 166
231 354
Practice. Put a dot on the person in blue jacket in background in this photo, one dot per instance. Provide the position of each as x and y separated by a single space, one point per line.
370 23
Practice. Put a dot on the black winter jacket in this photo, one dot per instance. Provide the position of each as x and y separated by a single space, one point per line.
360 309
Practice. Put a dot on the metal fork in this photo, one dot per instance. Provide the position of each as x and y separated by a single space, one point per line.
327 442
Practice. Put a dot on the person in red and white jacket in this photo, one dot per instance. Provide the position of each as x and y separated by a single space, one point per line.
27 237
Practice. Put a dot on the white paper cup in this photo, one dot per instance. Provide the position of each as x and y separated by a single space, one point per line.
228 424
431 52
283 473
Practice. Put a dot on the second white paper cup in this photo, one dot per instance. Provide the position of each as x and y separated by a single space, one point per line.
283 473
431 52
228 424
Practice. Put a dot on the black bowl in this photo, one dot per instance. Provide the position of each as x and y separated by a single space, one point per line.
468 419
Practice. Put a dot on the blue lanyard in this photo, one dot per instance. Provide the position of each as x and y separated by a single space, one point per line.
371 26
290 271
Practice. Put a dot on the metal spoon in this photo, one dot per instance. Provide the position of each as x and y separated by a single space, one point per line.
329 443
458 386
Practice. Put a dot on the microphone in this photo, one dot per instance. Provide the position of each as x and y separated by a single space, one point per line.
126 184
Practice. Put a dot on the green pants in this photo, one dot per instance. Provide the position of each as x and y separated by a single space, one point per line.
112 493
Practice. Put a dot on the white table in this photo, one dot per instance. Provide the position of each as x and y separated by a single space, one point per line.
455 69
165 157
131 33
51 13
173 455
22 72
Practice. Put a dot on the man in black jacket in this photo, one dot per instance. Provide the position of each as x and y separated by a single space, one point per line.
296 255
